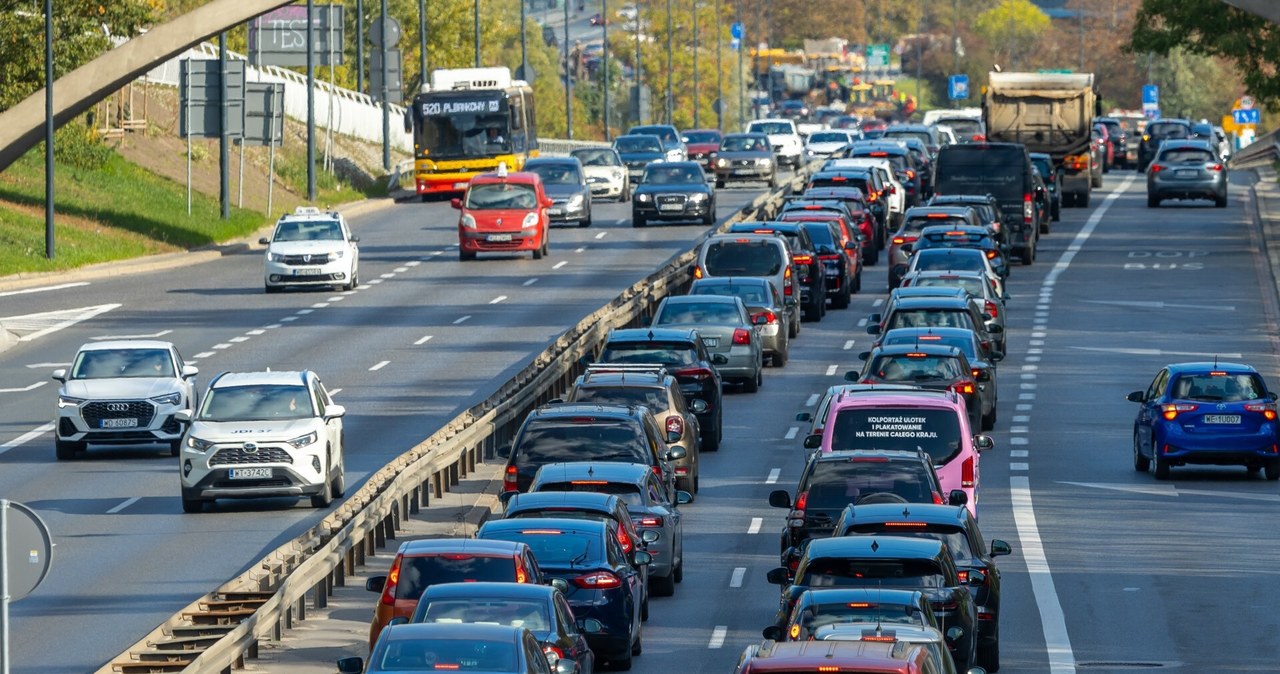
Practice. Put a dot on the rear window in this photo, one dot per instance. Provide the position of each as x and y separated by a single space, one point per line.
838 572
1166 130
1186 155
772 128
698 313
972 284
953 536
833 613
943 259
918 135
1219 388
1044 167
554 548
898 161
934 430
970 169
914 369
559 441
751 295
418 572
829 137
929 318
840 181
964 343
660 353
530 614
597 157
823 239
836 484
653 398
957 238
743 258
629 493
461 655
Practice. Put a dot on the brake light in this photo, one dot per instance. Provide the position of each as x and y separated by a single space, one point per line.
1268 410
588 482
878 154
937 499
521 575
964 575
979 138
787 284
967 474
795 518
828 668
867 638
553 654
1156 168
694 373
600 580
650 521
697 271
1028 208
802 259
964 387
899 240
911 175
657 470
393 578
509 482
675 424
624 539
448 666
861 604
991 255
906 525
741 336
769 316
1077 162
936 216
993 309
1216 167
1171 411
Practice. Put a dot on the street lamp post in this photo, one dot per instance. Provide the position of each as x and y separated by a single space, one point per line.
422 44
360 46
568 78
476 15
524 40
671 100
604 79
696 97
719 72
635 75
742 94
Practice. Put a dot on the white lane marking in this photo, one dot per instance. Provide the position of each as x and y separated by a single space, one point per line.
1026 396
273 326
1019 429
373 281
878 302
756 522
848 345
1028 375
581 250
124 505
1037 350
1163 305
289 319
1172 490
154 335
435 253
1039 335
335 391
24 389
401 270
41 366
813 400
348 293
736 579
1158 352
1021 418
255 333
319 305
423 340
1033 359
28 291
831 369
452 245
385 276
1018 453
862 322
1019 466
1041 314
1061 659
1065 261
34 326
601 235
462 320
774 473
1027 386
237 340
339 298
203 354
26 437
1030 368
1023 407
304 312
530 282
559 264
1019 441
791 433
379 366
413 263
1042 307
498 300
717 636
222 346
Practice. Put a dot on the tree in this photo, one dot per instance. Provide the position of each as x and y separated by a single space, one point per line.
1214 28
1015 24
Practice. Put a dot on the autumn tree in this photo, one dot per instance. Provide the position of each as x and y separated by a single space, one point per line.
1013 28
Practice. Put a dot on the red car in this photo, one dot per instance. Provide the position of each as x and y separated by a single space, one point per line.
503 212
702 144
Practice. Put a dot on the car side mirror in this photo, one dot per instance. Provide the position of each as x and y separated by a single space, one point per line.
683 497
676 452
994 328
590 626
779 498
996 356
804 416
182 416
60 375
1272 396
791 301
984 375
189 371
547 203
778 576
875 318
853 375
999 548
957 497
862 355
954 634
812 441
650 536
719 359
976 577
398 620
350 665
853 244
335 412
975 670
1137 397
503 451
559 584
772 632
505 497
375 584
264 241
555 401
983 442
873 328
697 406
456 203
355 239
642 558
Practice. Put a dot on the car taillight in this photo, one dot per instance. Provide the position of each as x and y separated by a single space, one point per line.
694 373
522 576
802 259
991 255
1156 168
1171 411
967 478
769 317
965 387
911 175
553 654
657 470
1215 167
509 480
650 521
1268 410
697 271
787 283
624 539
993 309
975 372
393 578
945 605
795 518
600 580
741 336
1077 162
937 499
1028 208
675 425
899 240
964 576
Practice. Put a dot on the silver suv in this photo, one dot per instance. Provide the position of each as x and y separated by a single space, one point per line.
263 434
766 255
122 392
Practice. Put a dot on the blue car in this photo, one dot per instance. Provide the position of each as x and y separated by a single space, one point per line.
585 561
493 649
1206 413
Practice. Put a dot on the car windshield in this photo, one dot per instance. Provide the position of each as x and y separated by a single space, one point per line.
308 230
660 353
1186 155
501 196
629 493
928 318
652 397
953 536
829 137
645 144
836 484
839 572
1223 388
597 157
556 173
425 654
743 258
554 548
257 403
530 614
914 369
113 363
944 259
663 174
701 137
820 615
744 144
772 128
934 430
697 313
558 441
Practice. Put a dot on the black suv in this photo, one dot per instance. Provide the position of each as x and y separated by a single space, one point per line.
957 528
813 284
905 166
1004 171
682 352
1157 132
987 206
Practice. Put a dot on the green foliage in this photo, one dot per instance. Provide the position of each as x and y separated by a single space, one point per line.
1191 86
79 146
1017 25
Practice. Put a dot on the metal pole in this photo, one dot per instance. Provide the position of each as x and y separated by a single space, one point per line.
568 79
188 109
48 225
604 80
311 101
271 150
719 72
476 14
240 175
422 44
386 92
639 80
742 93
360 46
697 100
224 150
671 100
524 39
4 555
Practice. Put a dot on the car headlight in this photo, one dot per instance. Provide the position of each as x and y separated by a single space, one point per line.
643 198
198 445
619 174
168 399
673 155
467 221
337 255
575 202
303 440
530 220
764 162
722 163
697 197
68 401
659 160
275 257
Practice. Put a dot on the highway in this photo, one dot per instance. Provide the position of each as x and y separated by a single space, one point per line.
422 338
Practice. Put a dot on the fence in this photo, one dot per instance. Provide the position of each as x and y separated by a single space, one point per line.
1264 150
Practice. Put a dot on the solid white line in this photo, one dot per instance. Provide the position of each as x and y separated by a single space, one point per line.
559 264
813 400
25 388
1083 235
791 433
423 340
848 345
153 335
379 366
530 282
462 320
124 505
203 354
1061 659
736 579
601 235
41 366
773 476
1019 466
498 299
831 369
334 391
756 522
26 437
28 291
717 636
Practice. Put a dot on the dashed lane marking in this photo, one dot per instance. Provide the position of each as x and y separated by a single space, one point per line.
379 366
1018 453
738 574
831 369
848 345
498 300
462 320
530 282
24 389
601 235
559 264
717 637
423 340
203 354
774 473
756 523
791 433
813 400
1019 466
124 505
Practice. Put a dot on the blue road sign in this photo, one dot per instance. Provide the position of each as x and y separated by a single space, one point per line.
1253 116
1150 93
958 87
736 31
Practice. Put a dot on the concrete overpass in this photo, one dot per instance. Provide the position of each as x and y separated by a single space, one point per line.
22 126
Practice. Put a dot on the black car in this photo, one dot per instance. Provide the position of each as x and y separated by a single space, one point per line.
1118 137
841 266
931 366
865 179
1052 183
862 207
541 609
1004 171
1157 132
818 608
673 191
937 311
981 361
905 166
813 285
682 351
891 562
956 527
964 236
987 207
566 183
637 152
591 504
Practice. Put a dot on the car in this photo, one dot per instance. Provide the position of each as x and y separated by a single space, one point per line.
555 433
585 561
495 649
1186 169
793 109
929 639
804 257
1119 139
826 143
866 179
1040 195
913 222
606 174
764 255
503 212
725 329
702 145
931 366
682 352
905 166
892 193
1052 179
832 480
768 311
817 419
745 157
863 217
541 609
803 657
954 259
958 530
967 129
850 122
1157 132
926 134
637 152
818 608
576 501
892 561
1105 151
263 434
923 310
1221 143
310 248
123 392
656 388
655 515
783 137
873 128
982 290
673 148
986 207
964 236
841 256
1212 413
565 182
673 190
1002 170
422 563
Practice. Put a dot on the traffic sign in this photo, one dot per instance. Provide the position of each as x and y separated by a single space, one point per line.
736 31
28 546
878 55
1150 94
1246 102
1246 116
958 87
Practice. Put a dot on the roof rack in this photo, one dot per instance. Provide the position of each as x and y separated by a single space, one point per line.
653 368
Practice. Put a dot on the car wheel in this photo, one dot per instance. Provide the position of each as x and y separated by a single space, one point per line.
1161 464
192 505
686 484
1140 463
751 384
338 488
638 647
272 289
1272 470
711 443
710 218
841 299
637 221
1153 201
1055 212
1044 226
773 180
989 656
465 255
719 184
67 451
540 251
585 222
621 664
662 586
644 608
793 327
625 194
324 498
989 420
870 255
175 447
1028 255
779 359
1083 200
1220 202
678 574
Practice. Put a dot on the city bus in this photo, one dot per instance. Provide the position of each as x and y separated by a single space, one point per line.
468 121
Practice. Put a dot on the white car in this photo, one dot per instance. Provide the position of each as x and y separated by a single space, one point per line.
310 247
261 434
607 176
784 138
897 196
122 392
823 143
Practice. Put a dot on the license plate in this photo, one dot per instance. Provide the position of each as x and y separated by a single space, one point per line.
1185 173
711 342
1222 418
555 211
307 271
119 423
832 272
671 207
460 186
743 172
498 237
249 473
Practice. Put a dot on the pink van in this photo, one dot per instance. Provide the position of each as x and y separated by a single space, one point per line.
934 421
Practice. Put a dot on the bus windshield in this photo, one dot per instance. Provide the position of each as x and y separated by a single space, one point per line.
457 127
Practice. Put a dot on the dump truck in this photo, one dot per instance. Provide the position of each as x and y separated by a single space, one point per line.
1050 113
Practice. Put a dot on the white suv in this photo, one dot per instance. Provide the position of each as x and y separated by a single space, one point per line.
311 248
123 392
263 434
783 137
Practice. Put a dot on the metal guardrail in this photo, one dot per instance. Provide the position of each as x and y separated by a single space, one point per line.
218 632
1264 150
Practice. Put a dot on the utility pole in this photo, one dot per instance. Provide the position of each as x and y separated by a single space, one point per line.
224 151
48 165
568 78
476 15
697 99
311 97
636 75
422 46
360 46
386 88
719 72
604 79
742 91
671 99
524 40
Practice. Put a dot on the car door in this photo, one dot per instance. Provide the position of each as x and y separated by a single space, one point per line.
581 652
333 427
672 528
1148 413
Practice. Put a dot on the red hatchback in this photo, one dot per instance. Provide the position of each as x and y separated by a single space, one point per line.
503 212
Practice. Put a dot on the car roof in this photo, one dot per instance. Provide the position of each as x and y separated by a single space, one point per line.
932 302
676 164
852 656
702 130
552 161
967 229
310 213
117 344
922 211
1179 143
608 471
620 378
270 378
942 273
776 225
414 631
637 135
874 545
1207 366
653 335
489 589
733 237
911 512
559 410
586 500
931 398
1039 155
430 546
701 299
519 177
844 455
758 281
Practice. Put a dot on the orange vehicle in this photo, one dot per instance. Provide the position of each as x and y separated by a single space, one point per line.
503 212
